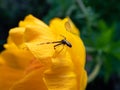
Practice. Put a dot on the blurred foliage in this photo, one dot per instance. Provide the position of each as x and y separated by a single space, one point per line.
98 21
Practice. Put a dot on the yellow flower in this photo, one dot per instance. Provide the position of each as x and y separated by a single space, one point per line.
42 57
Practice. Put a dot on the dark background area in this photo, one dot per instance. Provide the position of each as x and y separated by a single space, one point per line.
99 24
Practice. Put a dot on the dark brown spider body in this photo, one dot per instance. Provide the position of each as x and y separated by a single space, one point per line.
65 42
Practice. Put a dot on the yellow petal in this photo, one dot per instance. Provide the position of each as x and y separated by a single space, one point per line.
8 76
77 52
16 57
16 35
32 21
1 61
61 75
57 27
37 32
32 80
83 82
61 26
70 27
36 42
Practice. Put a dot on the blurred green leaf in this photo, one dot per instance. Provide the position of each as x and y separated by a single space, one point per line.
115 49
102 25
105 37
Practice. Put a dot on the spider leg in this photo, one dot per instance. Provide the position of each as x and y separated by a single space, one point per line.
63 36
61 49
58 52
57 45
50 42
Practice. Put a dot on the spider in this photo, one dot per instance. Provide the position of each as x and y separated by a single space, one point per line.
63 41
